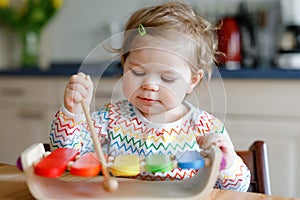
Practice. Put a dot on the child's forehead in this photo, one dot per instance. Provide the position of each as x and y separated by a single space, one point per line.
169 43
166 40
175 45
157 59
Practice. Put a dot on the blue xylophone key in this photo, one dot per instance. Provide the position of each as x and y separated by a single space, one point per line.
190 160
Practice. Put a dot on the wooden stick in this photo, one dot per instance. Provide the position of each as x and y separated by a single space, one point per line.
109 183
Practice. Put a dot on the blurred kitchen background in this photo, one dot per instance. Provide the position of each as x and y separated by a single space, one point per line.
260 74
266 32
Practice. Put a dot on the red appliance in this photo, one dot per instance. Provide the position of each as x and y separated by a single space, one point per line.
229 37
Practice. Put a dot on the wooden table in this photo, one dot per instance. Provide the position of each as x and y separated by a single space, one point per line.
13 186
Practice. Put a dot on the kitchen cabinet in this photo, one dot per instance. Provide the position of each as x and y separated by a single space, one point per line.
28 105
262 109
266 109
25 112
19 129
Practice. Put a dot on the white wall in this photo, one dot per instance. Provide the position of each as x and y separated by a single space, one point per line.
81 25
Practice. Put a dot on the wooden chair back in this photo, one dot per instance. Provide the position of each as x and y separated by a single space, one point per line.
256 160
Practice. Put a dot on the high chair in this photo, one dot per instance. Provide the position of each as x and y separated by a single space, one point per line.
256 160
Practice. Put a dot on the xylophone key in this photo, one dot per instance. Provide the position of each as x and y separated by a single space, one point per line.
87 165
126 165
158 163
55 164
190 160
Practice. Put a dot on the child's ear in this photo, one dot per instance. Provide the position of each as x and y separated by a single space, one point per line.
195 79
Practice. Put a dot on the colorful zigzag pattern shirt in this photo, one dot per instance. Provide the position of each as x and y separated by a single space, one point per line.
122 130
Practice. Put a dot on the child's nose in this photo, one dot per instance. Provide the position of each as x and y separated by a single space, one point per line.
150 86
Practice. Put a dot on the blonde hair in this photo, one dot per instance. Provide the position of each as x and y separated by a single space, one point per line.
179 17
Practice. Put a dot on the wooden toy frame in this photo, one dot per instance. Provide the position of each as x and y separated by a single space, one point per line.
197 187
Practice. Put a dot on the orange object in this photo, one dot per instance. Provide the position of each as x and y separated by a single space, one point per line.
55 164
88 165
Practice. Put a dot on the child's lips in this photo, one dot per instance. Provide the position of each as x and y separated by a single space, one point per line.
148 100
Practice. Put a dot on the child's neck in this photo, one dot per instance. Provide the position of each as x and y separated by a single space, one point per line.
168 116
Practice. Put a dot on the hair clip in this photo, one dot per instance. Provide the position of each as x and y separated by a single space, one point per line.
142 30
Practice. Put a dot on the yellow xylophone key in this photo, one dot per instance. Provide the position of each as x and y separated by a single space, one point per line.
126 165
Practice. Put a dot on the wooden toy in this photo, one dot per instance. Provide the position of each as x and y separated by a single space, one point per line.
132 165
68 187
87 165
190 160
55 164
126 165
197 187
158 163
109 184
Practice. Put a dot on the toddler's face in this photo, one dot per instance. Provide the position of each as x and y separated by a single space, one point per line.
156 81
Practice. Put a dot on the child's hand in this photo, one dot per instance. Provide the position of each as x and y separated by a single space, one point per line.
80 86
223 142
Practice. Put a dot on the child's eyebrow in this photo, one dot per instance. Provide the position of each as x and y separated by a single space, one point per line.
133 63
170 73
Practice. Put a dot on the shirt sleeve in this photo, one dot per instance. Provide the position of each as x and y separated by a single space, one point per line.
236 177
70 130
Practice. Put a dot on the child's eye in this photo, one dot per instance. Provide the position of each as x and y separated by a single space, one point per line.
137 72
168 79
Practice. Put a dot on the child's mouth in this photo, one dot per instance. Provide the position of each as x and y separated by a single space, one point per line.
148 100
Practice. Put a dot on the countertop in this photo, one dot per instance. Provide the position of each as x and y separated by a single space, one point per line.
115 69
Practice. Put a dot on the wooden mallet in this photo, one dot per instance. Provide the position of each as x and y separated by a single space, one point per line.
110 184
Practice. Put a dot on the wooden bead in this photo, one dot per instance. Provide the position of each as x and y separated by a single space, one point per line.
110 184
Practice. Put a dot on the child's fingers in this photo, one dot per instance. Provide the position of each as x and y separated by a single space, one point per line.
85 80
200 140
81 83
225 145
223 142
82 79
78 88
73 97
206 141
